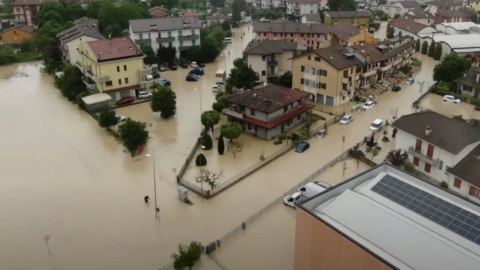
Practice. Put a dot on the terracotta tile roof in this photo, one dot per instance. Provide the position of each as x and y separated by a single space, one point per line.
158 12
268 47
408 25
451 13
468 168
115 48
448 134
27 2
343 30
268 98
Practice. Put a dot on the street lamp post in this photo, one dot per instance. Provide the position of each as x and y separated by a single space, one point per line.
200 97
154 185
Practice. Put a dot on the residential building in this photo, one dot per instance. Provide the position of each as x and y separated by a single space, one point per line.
70 39
446 16
346 34
178 32
475 4
271 58
297 8
463 177
419 16
310 18
86 22
411 28
323 4
268 111
442 5
17 34
331 75
158 12
26 11
469 83
458 28
400 7
113 66
187 14
361 17
313 36
209 20
435 142
386 219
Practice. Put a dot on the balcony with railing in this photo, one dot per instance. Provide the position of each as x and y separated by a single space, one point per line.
143 41
146 84
272 62
165 39
229 112
89 83
346 79
79 65
396 62
95 78
385 67
145 71
368 73
421 155
189 37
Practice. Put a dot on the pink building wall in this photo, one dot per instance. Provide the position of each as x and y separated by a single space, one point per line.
312 41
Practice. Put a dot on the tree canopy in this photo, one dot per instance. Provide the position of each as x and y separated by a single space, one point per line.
341 5
242 75
70 84
210 119
231 130
449 69
107 118
149 54
164 100
132 135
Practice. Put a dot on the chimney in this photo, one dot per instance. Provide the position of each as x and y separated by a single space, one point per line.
428 131
368 58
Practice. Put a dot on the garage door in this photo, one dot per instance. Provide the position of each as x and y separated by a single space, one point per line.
113 96
125 93
320 98
330 100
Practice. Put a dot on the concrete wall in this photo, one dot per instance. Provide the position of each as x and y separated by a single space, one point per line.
258 65
285 62
319 247
72 46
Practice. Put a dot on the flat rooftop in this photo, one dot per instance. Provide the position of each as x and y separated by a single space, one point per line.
466 41
410 223
460 25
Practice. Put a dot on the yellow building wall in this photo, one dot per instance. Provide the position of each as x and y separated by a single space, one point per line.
475 5
110 69
330 21
15 36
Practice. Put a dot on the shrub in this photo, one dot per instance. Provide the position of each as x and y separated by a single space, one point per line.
409 167
221 145
282 137
444 184
475 101
200 160
207 143
80 103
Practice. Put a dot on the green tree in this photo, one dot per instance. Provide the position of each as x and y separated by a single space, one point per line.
242 75
396 16
431 49
220 103
107 118
133 134
417 45
234 148
210 49
164 100
397 157
438 51
390 30
211 179
7 55
113 31
76 11
473 15
207 143
130 11
231 130
449 69
210 119
221 145
149 54
341 5
424 47
46 44
70 84
194 53
107 15
200 160
218 3
236 10
93 8
219 35
52 11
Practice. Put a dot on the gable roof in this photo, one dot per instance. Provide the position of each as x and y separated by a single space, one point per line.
349 14
469 167
268 47
288 27
115 48
78 32
86 22
418 13
269 98
448 133
343 30
409 4
312 17
451 13
408 25
445 3
469 78
22 27
163 24
334 56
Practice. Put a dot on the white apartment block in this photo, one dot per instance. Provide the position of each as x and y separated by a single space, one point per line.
179 32
70 39
295 8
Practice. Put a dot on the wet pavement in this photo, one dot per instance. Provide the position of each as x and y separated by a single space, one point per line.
64 176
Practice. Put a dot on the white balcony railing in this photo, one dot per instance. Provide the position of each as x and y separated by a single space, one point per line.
423 156
368 73
229 112
346 80
385 68
145 71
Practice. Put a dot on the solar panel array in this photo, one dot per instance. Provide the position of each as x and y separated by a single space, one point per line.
445 214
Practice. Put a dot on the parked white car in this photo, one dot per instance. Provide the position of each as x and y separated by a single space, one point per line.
321 133
368 105
378 123
449 98
346 119
290 200
193 64
216 87
120 118
144 94
410 81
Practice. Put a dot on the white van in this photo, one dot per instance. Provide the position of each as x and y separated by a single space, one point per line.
227 40
305 192
220 76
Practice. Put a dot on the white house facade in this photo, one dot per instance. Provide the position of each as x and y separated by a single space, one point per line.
181 33
70 39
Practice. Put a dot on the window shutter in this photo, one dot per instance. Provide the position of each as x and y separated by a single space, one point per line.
303 68
471 191
302 81
325 73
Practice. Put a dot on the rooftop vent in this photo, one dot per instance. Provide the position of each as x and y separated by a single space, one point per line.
131 49
428 131
120 50
348 55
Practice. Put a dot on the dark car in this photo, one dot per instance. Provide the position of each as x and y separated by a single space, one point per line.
302 147
155 74
125 100
396 88
197 71
192 78
172 66
201 64
183 64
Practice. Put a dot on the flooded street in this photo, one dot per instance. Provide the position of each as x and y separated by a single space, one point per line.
63 176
